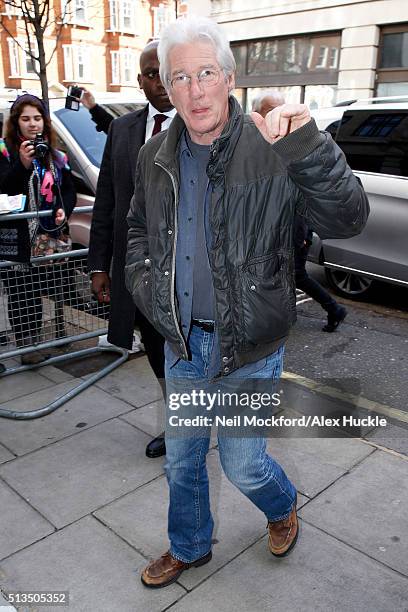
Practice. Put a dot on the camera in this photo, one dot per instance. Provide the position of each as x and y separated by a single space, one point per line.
41 147
73 92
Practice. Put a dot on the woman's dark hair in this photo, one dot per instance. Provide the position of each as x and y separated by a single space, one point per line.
12 132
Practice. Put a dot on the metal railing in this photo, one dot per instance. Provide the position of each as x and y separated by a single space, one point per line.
47 305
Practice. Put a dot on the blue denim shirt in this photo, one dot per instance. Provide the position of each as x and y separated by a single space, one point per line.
186 239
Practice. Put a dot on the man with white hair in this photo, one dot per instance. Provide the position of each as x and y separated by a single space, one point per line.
210 264
266 100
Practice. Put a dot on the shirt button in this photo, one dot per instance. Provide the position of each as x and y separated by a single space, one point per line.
169 314
190 219
226 369
170 232
253 287
192 182
188 257
147 262
186 293
225 359
166 273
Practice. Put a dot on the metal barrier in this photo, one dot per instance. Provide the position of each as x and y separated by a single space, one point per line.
45 305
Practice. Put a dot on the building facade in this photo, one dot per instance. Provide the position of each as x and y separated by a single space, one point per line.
98 47
317 51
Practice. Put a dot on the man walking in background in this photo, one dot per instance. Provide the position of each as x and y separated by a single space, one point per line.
108 236
266 101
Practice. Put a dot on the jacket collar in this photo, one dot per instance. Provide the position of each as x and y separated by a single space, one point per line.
221 149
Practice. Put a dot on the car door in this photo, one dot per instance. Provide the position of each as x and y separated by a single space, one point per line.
375 142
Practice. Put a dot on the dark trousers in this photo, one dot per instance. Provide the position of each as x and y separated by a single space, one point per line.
311 287
154 345
24 304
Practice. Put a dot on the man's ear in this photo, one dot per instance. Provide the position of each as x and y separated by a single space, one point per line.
231 82
139 80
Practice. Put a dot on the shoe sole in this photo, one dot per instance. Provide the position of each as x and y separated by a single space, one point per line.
197 563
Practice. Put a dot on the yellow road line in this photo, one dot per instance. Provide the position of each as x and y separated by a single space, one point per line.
355 400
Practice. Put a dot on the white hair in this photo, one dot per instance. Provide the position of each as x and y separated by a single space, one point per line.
191 29
264 93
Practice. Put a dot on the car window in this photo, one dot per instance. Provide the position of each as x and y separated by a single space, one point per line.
83 129
375 140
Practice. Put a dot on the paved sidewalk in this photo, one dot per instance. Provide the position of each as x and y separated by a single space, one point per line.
82 510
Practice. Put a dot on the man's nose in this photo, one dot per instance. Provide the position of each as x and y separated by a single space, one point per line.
196 88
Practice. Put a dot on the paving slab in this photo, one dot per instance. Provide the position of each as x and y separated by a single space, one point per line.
134 382
141 519
5 454
320 575
20 525
55 374
393 437
90 407
368 509
100 571
149 418
77 475
315 463
17 385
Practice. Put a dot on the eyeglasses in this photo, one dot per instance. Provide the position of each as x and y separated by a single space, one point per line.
207 77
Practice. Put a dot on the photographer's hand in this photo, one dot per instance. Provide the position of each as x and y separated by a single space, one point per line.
59 216
87 99
100 286
26 153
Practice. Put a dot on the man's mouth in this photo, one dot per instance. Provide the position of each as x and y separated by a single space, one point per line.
200 111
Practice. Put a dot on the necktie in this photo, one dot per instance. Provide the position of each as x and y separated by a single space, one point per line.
158 120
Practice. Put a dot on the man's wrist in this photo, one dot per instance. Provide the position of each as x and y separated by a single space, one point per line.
90 272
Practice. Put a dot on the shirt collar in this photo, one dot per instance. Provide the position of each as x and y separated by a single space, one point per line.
153 111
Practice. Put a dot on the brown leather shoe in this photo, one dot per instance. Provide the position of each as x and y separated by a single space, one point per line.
283 535
166 570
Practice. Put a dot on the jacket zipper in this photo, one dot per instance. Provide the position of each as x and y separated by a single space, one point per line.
173 262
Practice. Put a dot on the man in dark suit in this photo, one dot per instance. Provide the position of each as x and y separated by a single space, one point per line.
108 238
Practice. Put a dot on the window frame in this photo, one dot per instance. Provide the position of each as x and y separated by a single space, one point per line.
390 75
71 63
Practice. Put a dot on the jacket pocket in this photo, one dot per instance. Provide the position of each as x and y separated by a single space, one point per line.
139 283
266 301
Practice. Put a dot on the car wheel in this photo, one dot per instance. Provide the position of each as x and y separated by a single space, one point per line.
347 284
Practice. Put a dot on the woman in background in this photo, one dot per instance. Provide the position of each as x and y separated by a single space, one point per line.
32 166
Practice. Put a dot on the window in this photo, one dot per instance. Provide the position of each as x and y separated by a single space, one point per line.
74 11
322 58
333 57
124 67
122 15
375 141
392 71
21 63
162 16
14 58
291 56
12 11
394 52
77 62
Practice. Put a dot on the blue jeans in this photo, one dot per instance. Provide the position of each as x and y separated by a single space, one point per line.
244 460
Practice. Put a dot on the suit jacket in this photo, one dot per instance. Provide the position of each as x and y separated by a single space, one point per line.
108 238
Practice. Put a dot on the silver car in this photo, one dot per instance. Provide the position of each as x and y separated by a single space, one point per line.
373 134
